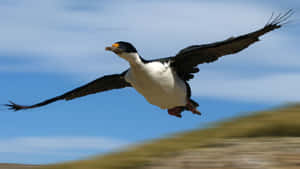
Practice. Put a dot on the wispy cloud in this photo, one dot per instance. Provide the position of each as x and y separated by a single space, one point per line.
275 87
57 145
67 36
70 36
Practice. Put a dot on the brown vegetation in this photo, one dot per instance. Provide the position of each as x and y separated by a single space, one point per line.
256 129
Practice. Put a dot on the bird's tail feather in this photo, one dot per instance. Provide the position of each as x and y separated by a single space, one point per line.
195 104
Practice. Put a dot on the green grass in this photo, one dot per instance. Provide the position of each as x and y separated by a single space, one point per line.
281 122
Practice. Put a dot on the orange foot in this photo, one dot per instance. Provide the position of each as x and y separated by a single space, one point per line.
175 112
191 107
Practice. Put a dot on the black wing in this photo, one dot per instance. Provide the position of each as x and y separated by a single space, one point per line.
187 59
109 82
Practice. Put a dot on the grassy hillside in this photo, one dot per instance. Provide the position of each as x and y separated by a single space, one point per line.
281 122
17 166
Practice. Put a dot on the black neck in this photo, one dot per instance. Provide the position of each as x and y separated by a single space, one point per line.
142 59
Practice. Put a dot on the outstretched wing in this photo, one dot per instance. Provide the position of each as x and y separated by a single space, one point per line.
109 82
187 59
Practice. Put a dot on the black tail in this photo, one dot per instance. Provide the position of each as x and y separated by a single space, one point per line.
195 104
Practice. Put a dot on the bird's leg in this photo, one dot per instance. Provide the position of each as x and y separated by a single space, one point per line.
176 111
191 107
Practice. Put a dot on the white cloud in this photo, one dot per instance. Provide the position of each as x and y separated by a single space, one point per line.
276 88
50 145
66 36
71 39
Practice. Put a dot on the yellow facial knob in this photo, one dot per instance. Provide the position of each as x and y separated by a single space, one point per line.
116 45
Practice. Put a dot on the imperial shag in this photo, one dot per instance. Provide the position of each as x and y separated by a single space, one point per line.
164 82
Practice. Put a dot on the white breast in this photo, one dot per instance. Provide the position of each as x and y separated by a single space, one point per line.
158 84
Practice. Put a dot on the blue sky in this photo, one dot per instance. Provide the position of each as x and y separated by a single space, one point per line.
51 46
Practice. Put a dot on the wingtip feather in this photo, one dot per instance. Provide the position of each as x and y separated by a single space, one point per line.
13 106
280 19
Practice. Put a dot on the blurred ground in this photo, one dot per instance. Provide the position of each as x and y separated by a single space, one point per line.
16 166
268 139
258 153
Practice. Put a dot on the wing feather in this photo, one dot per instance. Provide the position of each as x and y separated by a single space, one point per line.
194 55
105 83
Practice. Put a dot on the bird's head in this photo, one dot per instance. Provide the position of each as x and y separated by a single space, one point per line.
123 49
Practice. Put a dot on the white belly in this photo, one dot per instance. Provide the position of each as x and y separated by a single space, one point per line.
158 84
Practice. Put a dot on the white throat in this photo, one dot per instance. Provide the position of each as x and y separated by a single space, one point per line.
133 58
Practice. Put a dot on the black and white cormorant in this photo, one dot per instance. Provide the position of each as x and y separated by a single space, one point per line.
164 82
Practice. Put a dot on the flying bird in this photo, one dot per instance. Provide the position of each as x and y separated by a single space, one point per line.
164 82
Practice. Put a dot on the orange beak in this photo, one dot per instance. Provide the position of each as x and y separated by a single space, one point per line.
114 48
